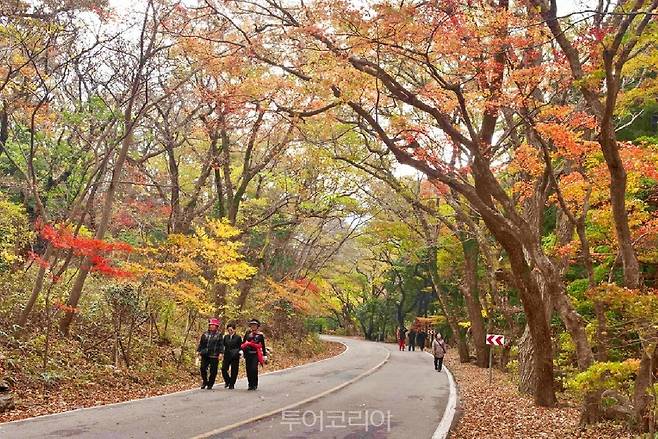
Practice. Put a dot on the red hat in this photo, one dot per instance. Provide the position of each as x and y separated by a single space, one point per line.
214 321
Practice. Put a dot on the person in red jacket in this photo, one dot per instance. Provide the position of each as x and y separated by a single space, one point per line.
401 334
253 347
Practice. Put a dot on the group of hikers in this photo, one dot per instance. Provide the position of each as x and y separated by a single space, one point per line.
231 347
418 337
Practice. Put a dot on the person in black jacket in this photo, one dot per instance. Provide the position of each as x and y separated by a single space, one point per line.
251 353
421 336
412 339
232 342
211 346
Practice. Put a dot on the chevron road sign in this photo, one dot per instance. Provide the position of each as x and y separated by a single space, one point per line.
493 340
496 340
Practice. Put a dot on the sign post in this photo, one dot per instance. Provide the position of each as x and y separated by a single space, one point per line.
493 340
490 365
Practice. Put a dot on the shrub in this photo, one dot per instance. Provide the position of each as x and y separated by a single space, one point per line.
603 376
15 234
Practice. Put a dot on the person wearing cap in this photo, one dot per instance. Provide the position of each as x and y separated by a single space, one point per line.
254 352
211 346
232 343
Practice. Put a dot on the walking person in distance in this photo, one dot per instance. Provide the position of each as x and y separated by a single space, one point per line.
401 334
210 347
231 360
438 350
412 339
253 346
421 336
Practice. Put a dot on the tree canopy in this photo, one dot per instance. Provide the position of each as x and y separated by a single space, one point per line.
475 166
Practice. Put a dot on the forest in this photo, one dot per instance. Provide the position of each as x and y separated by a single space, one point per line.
332 165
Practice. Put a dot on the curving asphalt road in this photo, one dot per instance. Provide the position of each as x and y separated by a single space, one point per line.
369 391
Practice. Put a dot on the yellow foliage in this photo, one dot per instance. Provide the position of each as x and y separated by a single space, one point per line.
187 267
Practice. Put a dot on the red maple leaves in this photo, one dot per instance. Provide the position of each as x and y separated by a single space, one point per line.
96 250
304 284
66 308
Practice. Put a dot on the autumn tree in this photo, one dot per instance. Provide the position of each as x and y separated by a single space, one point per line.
134 98
422 107
617 38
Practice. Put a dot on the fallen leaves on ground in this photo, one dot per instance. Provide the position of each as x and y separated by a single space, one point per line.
119 385
500 411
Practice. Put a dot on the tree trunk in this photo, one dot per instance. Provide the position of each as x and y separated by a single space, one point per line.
175 215
618 177
191 319
245 288
504 356
38 285
220 291
399 315
115 350
642 400
526 357
221 204
36 289
575 327
552 270
228 183
591 412
46 348
462 346
540 332
601 332
473 305
527 380
618 201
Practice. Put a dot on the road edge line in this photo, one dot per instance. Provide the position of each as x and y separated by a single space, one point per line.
112 404
443 429
293 405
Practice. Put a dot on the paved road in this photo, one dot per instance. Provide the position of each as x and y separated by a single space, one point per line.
404 399
411 402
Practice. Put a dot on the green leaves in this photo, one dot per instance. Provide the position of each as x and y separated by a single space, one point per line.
604 376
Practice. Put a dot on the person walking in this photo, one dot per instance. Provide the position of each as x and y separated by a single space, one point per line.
232 343
438 350
412 339
210 347
254 352
420 339
401 334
